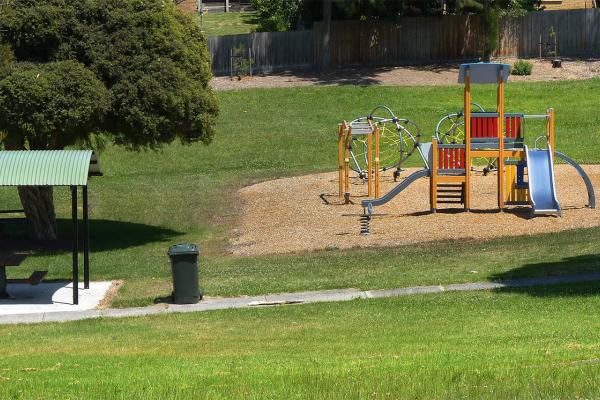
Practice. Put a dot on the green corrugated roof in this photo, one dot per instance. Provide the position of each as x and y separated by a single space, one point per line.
47 167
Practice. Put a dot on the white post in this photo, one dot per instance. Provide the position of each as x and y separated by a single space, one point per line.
226 5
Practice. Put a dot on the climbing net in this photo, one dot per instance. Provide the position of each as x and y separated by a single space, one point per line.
399 138
451 130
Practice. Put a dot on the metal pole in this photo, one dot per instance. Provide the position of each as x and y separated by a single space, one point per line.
226 5
250 59
86 239
75 245
3 293
467 119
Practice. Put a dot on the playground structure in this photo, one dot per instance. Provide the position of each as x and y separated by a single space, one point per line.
451 129
377 142
347 133
525 176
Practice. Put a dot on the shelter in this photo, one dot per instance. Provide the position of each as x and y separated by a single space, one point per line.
70 168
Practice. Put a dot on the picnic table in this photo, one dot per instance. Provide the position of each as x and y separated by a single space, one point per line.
14 260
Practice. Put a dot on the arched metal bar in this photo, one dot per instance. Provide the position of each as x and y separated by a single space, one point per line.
583 174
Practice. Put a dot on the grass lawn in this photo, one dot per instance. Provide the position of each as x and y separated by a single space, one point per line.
232 23
147 201
535 343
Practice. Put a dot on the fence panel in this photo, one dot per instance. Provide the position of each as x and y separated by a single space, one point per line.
412 40
271 51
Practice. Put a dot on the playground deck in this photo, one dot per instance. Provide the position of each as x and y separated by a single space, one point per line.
288 215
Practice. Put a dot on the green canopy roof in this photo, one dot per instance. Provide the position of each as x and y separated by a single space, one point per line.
47 167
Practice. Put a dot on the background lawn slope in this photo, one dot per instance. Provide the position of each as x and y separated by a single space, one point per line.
149 200
536 343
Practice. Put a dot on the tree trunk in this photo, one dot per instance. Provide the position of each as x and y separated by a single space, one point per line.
38 203
325 57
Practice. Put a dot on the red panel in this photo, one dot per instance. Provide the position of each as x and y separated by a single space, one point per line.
451 158
484 127
513 127
487 126
494 127
474 131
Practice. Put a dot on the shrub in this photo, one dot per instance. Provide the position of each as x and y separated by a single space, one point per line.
136 70
276 15
522 67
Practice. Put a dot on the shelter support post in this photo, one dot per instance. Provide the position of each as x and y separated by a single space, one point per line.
75 245
86 239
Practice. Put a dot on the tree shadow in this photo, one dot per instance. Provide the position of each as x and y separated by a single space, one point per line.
571 276
341 77
360 75
105 235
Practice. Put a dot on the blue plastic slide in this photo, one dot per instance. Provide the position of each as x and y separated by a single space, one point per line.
542 190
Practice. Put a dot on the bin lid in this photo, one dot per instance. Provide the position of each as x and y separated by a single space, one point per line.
183 248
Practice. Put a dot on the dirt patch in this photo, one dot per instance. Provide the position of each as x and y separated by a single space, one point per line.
304 213
110 295
443 74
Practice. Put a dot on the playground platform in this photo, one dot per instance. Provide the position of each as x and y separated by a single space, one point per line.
305 213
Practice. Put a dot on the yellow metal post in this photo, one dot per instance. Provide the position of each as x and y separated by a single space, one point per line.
369 165
467 108
348 135
376 133
550 129
433 176
500 138
341 141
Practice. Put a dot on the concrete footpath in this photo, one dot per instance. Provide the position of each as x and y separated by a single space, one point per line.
291 298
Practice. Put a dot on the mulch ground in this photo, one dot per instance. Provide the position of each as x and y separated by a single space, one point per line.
304 213
418 75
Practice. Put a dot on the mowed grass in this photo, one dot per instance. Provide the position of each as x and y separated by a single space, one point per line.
534 343
231 23
147 201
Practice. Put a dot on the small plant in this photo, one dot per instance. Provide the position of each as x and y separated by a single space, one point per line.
521 67
552 35
241 62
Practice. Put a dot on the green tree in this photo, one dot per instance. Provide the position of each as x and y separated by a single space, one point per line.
277 15
6 58
492 11
151 59
48 106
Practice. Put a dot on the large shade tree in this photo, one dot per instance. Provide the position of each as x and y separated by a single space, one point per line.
135 71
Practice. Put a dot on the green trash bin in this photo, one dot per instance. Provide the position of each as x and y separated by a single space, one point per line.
184 266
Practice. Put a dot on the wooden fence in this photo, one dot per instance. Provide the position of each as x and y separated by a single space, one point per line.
417 40
577 33
271 51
